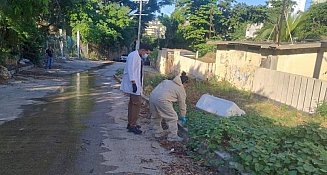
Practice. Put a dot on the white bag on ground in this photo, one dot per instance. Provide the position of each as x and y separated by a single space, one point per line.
219 106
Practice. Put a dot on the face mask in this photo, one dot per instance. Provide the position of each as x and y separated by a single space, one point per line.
145 56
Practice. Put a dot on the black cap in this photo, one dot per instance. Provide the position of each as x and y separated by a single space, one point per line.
145 47
184 78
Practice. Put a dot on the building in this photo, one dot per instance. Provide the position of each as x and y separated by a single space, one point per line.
318 1
251 30
155 29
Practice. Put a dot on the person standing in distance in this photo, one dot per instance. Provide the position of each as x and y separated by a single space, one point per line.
132 83
49 53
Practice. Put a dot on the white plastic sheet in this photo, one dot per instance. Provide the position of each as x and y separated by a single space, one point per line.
219 106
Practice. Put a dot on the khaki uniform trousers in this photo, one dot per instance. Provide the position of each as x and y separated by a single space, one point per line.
163 110
134 108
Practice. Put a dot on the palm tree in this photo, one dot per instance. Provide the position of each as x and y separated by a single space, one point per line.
288 30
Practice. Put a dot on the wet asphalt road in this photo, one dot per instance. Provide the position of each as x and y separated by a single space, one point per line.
43 139
79 130
46 138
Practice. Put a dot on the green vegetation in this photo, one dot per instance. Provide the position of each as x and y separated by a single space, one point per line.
315 23
119 72
27 27
322 109
108 27
270 139
260 146
193 23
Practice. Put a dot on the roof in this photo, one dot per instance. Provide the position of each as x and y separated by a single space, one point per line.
267 45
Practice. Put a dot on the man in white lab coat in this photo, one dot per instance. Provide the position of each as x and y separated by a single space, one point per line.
132 83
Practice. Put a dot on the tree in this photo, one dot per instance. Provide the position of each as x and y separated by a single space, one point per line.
20 33
314 23
276 15
289 28
198 19
173 37
103 24
242 15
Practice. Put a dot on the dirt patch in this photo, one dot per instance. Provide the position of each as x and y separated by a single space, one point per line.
185 164
208 58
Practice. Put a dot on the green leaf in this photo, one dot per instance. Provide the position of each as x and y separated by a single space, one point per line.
308 167
293 172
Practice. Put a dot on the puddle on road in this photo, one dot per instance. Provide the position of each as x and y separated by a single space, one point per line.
44 139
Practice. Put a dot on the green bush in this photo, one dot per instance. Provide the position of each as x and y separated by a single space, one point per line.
153 56
260 146
153 80
322 109
119 72
204 48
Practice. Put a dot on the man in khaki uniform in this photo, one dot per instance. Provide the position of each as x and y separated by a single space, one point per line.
161 106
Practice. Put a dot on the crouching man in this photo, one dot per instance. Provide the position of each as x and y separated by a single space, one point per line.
161 106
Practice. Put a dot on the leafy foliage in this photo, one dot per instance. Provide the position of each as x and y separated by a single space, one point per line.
173 37
308 25
261 146
315 23
322 109
104 24
19 31
195 22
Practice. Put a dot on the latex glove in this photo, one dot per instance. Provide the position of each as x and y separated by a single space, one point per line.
134 88
183 120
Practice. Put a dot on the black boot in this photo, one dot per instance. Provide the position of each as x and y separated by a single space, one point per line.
135 130
137 126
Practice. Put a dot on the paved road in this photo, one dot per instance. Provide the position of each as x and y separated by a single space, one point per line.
82 130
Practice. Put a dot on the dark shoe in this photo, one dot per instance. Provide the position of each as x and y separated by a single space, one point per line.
137 126
135 130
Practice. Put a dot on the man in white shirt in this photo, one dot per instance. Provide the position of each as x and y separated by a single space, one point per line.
132 83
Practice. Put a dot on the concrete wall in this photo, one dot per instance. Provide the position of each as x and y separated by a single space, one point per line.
161 62
237 66
237 62
323 70
302 93
171 62
290 74
300 64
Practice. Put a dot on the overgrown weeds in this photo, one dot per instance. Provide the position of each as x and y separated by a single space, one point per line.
322 109
270 139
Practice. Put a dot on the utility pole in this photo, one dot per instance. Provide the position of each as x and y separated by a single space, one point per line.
78 46
158 33
282 17
139 27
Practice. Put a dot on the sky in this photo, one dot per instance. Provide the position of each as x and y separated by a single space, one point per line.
169 9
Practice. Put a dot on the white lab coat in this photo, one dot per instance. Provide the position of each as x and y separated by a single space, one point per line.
132 71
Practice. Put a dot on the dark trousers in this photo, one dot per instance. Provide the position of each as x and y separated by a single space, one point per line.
134 108
49 62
